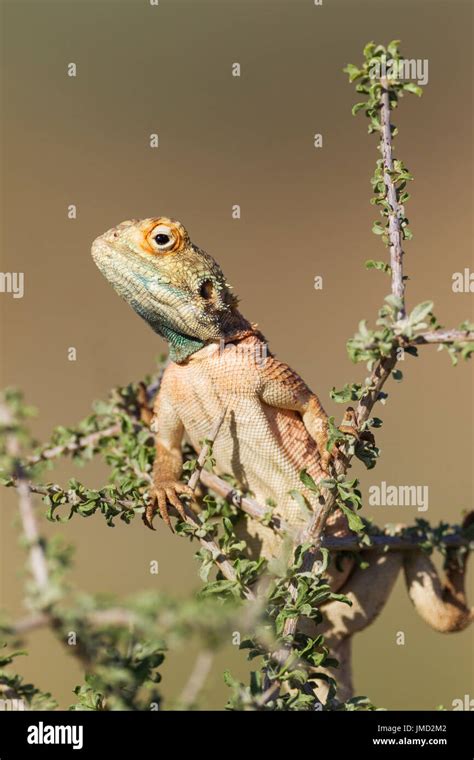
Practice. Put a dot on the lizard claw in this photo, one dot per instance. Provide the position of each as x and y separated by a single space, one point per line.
149 513
166 493
347 427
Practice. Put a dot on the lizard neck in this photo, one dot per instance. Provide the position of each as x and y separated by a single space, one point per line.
182 346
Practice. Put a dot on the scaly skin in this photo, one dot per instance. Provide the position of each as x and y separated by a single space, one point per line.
274 426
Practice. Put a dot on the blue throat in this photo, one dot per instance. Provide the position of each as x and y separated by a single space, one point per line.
181 346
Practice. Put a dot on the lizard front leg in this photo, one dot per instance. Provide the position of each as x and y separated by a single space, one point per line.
168 463
281 387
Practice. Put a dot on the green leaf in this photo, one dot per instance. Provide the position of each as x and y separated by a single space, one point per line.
414 88
229 680
375 422
358 107
392 48
420 312
369 50
308 481
394 301
302 503
325 561
467 350
328 483
354 521
8 659
353 71
350 392
381 265
377 228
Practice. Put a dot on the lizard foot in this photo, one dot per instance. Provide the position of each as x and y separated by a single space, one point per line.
167 492
318 428
347 427
330 459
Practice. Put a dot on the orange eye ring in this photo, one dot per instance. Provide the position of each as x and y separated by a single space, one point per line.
155 235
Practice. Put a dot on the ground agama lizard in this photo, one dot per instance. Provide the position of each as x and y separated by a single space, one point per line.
274 426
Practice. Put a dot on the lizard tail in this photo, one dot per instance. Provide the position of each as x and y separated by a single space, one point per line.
442 605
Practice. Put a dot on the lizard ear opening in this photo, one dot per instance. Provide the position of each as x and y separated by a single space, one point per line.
208 291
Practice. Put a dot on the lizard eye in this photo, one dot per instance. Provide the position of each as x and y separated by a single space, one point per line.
163 238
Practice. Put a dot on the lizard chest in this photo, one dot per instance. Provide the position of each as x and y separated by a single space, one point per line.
265 448
207 385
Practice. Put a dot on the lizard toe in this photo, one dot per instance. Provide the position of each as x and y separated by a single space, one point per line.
173 498
161 495
149 513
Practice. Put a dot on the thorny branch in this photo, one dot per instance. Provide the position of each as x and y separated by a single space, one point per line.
247 504
395 230
443 336
314 531
37 559
196 680
313 534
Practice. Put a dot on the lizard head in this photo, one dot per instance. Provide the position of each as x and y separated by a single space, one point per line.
171 283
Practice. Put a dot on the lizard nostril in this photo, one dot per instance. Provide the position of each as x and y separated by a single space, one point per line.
208 291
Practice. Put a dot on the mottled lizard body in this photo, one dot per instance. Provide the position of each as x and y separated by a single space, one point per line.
263 444
273 428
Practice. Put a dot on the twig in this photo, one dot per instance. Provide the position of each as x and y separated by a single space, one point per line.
385 366
208 543
82 443
394 226
144 394
444 336
258 512
224 565
28 623
205 451
377 380
222 562
53 488
38 564
37 559
114 616
390 543
250 506
196 680
346 543
432 337
314 531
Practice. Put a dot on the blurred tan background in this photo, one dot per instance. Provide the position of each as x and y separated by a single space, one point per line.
225 141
